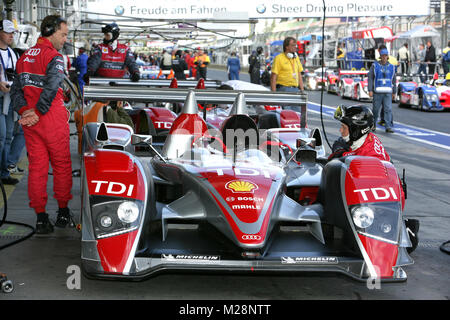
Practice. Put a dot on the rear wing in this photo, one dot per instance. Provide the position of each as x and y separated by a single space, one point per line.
353 72
164 95
164 83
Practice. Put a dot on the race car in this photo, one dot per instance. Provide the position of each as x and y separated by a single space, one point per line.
443 91
220 201
421 96
360 90
332 83
315 80
348 84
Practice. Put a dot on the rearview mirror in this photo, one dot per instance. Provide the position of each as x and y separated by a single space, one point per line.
141 138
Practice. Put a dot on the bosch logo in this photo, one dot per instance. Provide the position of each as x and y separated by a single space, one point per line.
33 52
119 10
261 9
251 237
230 199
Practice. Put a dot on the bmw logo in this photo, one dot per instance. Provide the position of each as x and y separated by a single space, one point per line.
261 8
119 10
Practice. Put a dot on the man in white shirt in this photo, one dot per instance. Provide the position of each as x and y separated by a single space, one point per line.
403 58
8 60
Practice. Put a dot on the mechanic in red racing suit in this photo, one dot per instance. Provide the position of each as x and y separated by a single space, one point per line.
110 58
358 140
356 136
37 96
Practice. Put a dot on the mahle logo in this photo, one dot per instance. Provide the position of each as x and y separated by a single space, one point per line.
119 10
261 8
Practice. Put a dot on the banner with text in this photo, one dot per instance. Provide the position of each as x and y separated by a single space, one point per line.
254 9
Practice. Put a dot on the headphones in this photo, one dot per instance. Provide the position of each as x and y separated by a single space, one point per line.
50 25
291 55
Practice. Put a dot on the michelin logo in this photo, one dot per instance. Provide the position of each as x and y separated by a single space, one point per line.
190 258
309 260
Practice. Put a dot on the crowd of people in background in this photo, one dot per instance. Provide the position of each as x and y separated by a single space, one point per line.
178 60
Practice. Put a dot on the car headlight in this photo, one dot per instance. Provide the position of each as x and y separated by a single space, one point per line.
379 221
128 212
106 221
363 217
113 217
432 97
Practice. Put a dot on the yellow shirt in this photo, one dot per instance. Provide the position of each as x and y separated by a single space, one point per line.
288 71
392 60
202 58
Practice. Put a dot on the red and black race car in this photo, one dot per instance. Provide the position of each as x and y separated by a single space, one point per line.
235 199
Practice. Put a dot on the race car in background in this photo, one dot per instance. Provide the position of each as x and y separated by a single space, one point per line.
332 83
214 202
315 80
443 91
420 96
360 90
349 86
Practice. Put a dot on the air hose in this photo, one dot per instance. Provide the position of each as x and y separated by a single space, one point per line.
3 221
445 248
323 65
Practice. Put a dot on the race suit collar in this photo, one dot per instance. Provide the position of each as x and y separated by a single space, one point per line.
45 42
114 45
358 143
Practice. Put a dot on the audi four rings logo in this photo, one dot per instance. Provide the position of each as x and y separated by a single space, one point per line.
251 237
33 52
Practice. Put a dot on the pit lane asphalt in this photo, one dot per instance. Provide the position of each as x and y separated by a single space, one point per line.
38 266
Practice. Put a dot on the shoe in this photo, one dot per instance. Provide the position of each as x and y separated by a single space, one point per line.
381 122
390 130
43 225
13 169
63 218
10 180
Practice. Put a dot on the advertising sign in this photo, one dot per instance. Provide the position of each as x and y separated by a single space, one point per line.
258 9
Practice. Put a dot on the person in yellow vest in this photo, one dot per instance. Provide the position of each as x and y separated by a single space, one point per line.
446 58
201 61
340 56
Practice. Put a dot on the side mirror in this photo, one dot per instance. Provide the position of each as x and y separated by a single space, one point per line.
310 142
137 139
140 139
306 155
